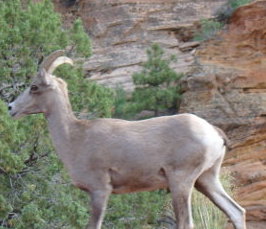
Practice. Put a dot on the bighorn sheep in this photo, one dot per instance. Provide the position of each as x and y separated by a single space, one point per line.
105 156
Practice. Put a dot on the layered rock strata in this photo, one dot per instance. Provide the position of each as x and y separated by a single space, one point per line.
229 89
121 32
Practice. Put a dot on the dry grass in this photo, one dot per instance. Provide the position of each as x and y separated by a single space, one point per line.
205 214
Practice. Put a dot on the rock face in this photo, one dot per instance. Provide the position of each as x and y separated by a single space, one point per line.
228 88
226 76
121 32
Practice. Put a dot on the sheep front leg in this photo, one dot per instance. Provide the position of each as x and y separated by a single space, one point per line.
99 201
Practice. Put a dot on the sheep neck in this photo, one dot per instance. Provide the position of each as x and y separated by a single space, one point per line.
60 121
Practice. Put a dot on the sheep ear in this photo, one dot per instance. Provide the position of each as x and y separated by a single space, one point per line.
44 77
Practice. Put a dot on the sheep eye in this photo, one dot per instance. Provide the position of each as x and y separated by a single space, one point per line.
34 88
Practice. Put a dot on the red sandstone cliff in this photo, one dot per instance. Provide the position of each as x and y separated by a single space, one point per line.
229 89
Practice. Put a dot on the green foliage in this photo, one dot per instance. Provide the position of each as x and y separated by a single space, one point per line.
28 32
226 11
209 28
35 190
156 85
35 193
79 37
87 96
120 103
237 3
135 210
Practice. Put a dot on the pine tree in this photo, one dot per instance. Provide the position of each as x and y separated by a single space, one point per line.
157 84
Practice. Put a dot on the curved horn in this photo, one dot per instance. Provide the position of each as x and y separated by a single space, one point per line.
56 58
58 61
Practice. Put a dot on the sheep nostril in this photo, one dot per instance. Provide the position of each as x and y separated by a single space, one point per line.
9 108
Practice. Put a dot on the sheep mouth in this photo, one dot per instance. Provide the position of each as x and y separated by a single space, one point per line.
16 115
13 114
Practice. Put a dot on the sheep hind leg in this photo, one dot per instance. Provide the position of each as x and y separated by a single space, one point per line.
180 186
209 184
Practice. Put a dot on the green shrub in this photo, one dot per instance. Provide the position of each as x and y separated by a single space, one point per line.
87 97
135 210
208 29
156 86
237 3
28 32
120 103
226 11
35 189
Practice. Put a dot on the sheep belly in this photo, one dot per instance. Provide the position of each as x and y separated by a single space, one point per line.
137 180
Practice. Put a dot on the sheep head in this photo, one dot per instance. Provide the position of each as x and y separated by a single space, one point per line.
36 98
